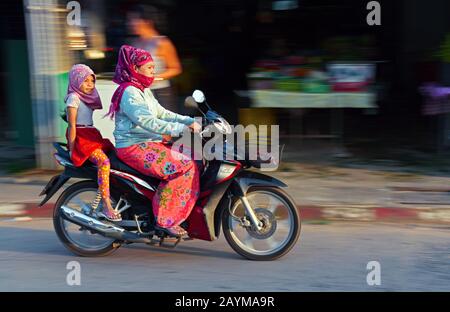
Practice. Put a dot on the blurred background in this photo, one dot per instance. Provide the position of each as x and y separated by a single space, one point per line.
363 111
340 90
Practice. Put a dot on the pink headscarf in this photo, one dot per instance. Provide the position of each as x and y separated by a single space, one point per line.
77 76
126 76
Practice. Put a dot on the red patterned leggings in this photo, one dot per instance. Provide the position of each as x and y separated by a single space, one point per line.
99 158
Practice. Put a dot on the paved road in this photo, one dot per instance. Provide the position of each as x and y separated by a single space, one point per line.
329 257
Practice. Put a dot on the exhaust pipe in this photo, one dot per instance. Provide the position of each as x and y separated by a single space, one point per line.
106 229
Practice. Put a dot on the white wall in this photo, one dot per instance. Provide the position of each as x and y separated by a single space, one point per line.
106 89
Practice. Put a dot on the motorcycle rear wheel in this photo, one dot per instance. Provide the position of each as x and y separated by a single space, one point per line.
106 245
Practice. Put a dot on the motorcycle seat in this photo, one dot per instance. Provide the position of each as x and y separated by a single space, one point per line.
116 164
119 165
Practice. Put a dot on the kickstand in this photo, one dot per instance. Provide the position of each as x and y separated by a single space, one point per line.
177 242
163 239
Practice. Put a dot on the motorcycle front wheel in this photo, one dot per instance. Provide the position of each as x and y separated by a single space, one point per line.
280 221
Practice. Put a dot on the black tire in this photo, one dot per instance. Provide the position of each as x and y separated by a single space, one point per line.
291 241
59 228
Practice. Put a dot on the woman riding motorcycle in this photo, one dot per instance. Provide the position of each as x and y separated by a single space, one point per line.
141 127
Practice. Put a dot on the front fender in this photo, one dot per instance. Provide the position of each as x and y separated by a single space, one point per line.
247 179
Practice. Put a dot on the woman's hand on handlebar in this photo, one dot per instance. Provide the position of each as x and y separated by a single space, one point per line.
166 138
195 127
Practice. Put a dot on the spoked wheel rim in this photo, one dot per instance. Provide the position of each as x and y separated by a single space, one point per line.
278 224
83 238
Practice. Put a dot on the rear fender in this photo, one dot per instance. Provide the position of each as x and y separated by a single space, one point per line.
52 187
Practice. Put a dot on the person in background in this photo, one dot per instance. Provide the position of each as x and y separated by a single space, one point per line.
143 21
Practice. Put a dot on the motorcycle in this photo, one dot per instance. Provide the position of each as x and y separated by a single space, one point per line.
259 220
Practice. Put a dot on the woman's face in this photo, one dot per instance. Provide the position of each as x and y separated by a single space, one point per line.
88 85
148 69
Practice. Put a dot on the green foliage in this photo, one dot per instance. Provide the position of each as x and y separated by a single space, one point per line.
444 50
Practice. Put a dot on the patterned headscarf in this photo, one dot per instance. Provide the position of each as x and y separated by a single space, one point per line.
126 76
77 76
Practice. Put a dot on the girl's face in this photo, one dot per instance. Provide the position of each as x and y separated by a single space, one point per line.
148 69
88 85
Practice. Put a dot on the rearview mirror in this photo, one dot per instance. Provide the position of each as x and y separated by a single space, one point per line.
190 102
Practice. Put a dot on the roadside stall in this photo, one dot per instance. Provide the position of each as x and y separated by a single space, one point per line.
297 86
